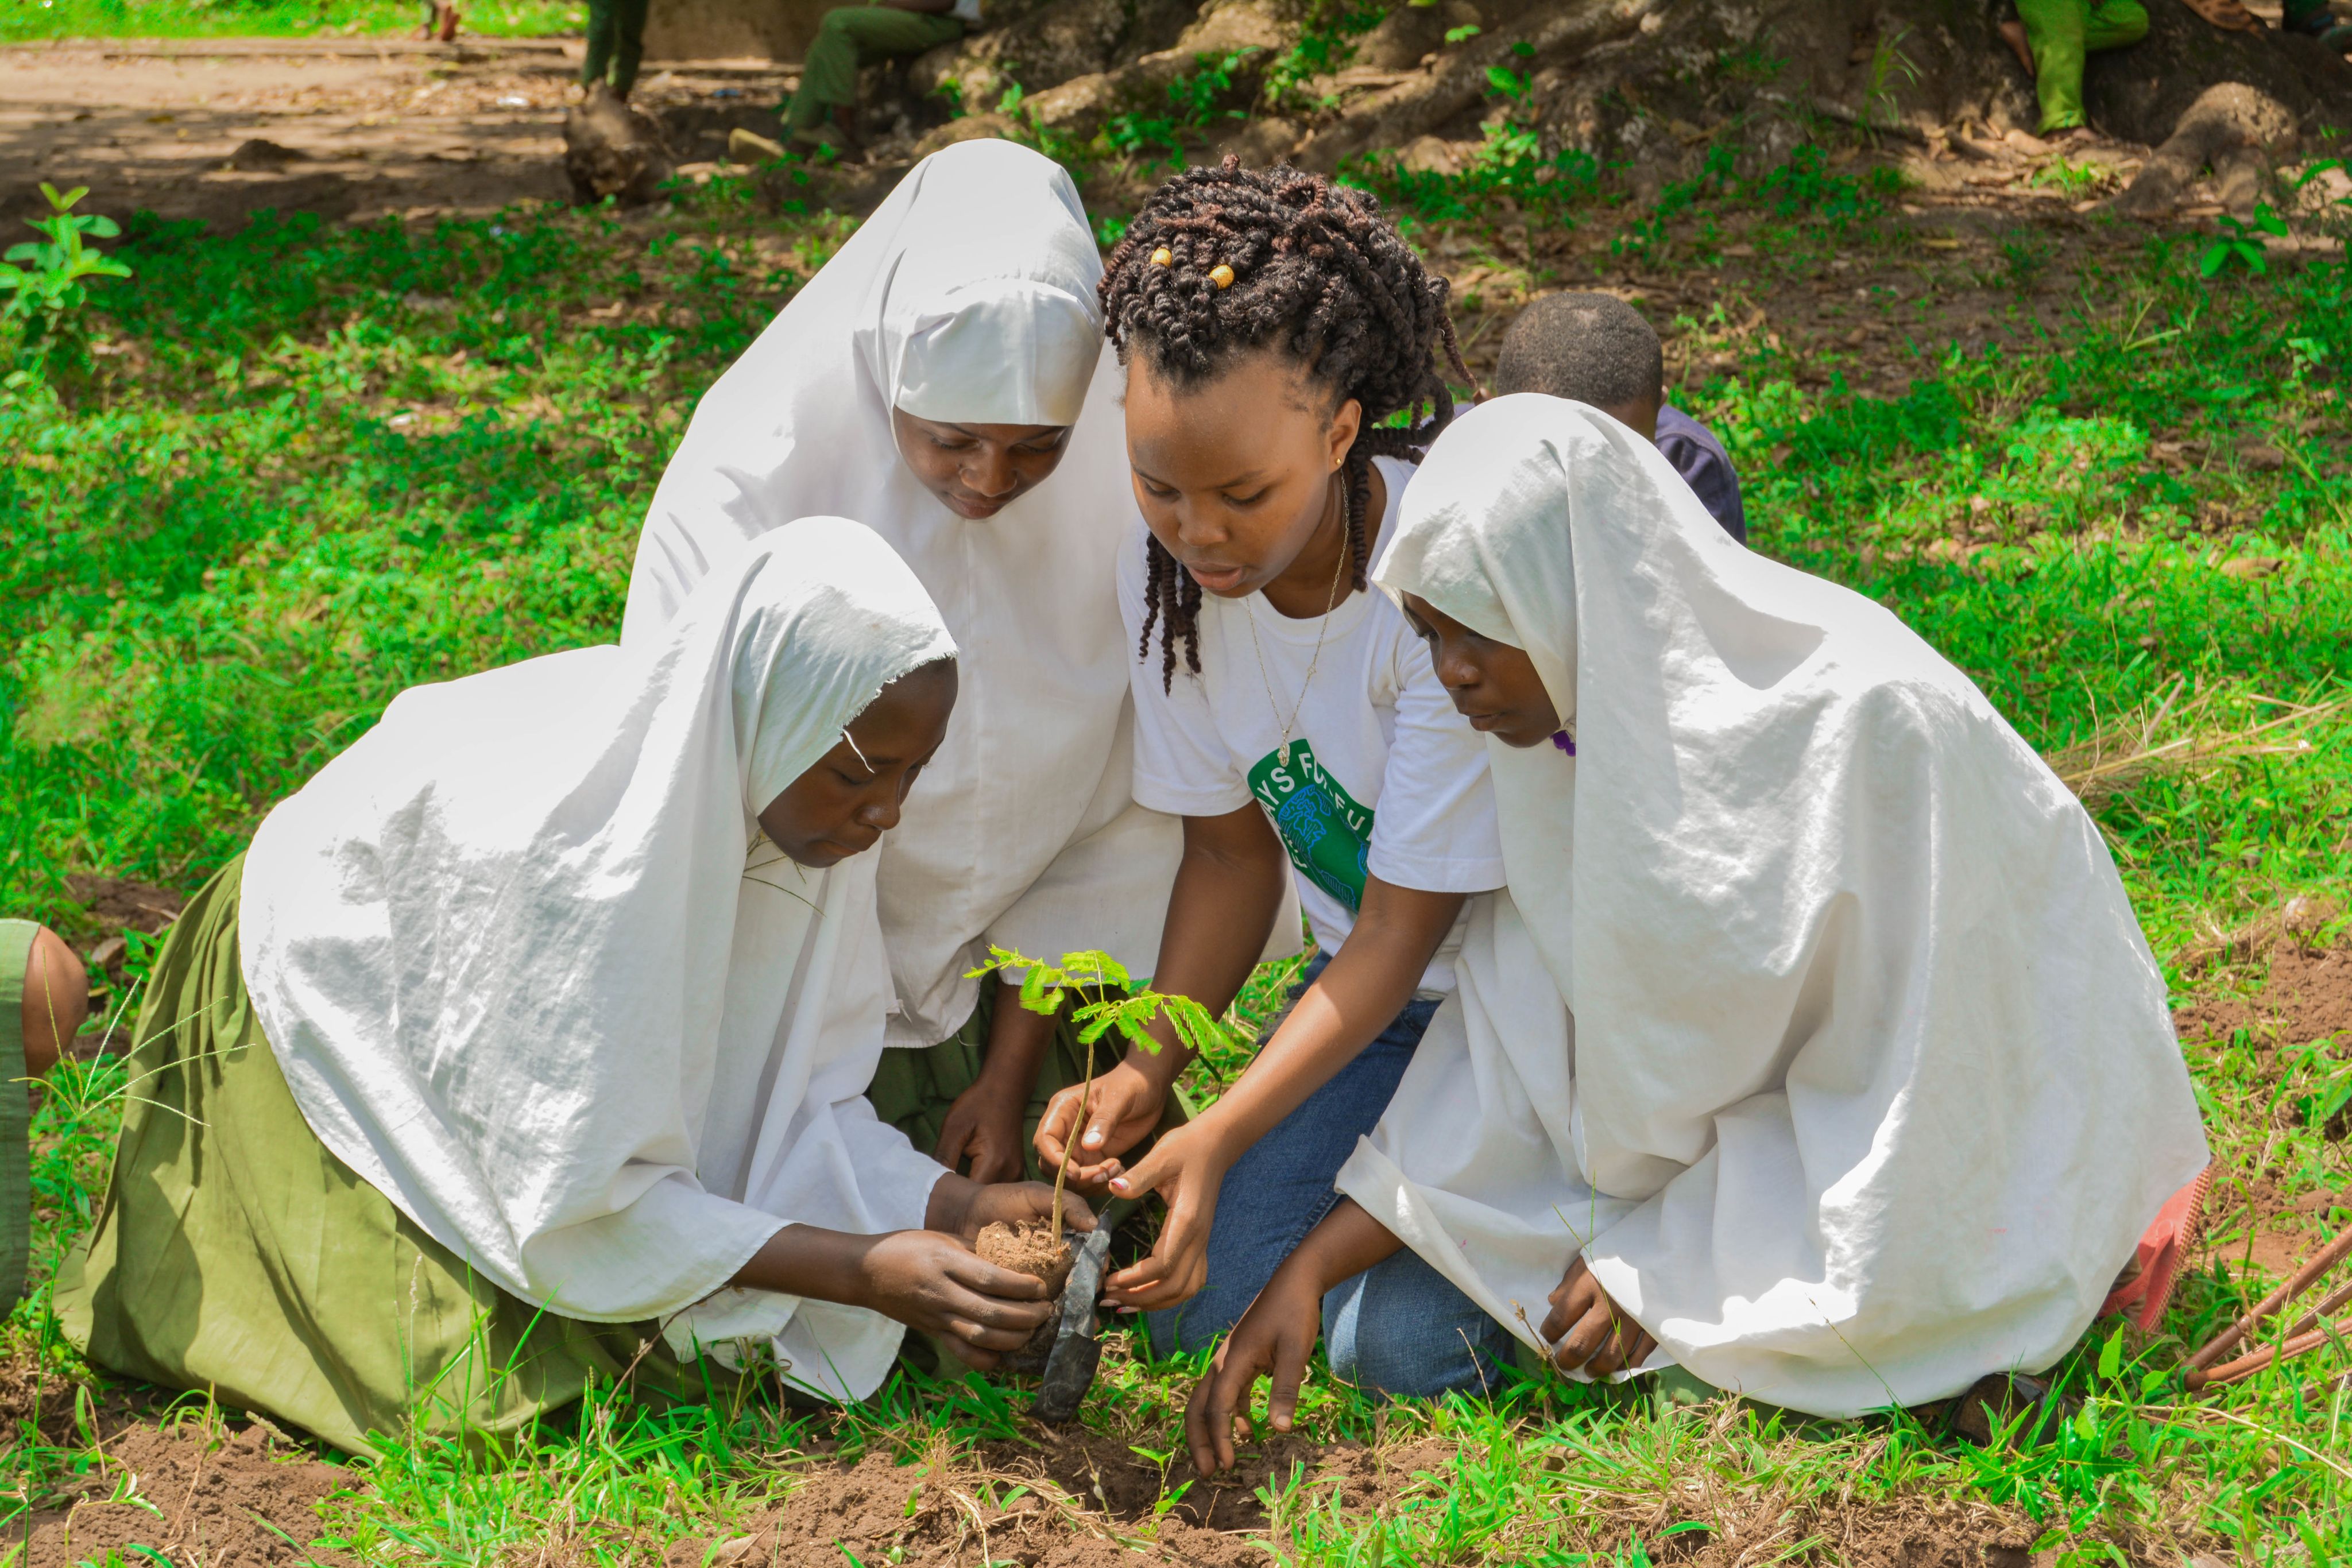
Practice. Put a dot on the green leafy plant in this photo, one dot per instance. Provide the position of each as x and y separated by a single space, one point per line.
2238 245
1326 43
47 280
1109 999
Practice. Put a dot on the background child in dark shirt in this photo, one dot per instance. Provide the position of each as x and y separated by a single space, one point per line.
1597 349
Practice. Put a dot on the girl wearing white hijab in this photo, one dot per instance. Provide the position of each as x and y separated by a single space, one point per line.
1814 1042
526 1043
928 381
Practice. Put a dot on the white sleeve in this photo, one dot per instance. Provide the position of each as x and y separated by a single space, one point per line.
1182 765
1436 828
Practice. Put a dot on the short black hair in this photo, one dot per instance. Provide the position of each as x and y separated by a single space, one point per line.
1592 348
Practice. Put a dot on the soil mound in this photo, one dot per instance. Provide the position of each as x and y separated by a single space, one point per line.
226 1501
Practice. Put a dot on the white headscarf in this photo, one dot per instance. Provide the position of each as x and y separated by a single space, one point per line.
530 972
1854 1070
968 297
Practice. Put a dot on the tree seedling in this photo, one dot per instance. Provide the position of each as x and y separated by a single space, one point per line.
1108 1000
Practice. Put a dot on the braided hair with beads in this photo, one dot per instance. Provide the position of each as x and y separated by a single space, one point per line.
1224 262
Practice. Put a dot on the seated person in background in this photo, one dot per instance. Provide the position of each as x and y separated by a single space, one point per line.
1595 349
852 36
43 997
2052 38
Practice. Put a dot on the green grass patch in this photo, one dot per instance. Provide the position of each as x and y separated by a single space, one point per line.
24 20
270 481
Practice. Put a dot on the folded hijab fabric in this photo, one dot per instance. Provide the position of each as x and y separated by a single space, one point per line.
1854 1079
968 297
531 971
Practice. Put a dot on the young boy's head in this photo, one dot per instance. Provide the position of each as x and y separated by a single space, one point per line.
1591 347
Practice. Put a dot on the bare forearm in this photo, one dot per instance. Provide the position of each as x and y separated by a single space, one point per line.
1017 1041
1343 1244
1359 994
808 1261
1220 912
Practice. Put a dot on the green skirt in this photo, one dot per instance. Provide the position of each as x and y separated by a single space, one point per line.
235 1255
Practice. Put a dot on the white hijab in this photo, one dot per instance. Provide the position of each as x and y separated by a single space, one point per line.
1854 1079
968 296
532 973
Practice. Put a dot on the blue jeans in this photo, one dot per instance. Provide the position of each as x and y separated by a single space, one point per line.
1281 1188
1400 1328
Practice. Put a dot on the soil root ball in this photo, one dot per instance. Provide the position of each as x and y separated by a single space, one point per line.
1031 1248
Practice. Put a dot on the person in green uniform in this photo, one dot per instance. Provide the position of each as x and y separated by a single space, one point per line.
825 110
2053 37
44 997
525 1047
616 42
2314 18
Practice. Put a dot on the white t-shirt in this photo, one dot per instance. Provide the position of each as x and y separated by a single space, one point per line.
1384 776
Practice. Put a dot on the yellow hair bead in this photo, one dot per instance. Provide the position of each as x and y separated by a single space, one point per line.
1163 257
1222 276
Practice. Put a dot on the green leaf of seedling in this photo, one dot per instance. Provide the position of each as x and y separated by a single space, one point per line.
2111 1356
1173 1497
1524 49
1462 34
2150 1382
2215 259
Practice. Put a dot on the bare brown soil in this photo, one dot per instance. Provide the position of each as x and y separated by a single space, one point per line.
193 1494
1086 1500
217 130
2255 1217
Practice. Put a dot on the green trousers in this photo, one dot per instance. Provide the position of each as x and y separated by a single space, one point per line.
235 1255
16 1101
851 36
2062 33
616 42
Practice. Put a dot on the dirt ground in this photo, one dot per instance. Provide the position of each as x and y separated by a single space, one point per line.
215 129
1084 1500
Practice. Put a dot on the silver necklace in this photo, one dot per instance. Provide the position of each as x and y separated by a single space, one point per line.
1341 567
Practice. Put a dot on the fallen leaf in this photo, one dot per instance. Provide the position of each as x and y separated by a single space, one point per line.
2251 568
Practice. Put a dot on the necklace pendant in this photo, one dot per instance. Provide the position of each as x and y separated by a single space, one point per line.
1283 752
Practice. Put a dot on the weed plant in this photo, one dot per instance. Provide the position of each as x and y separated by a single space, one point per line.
314 465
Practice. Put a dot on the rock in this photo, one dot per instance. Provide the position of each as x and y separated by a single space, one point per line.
969 128
261 155
1435 155
751 147
612 150
2231 126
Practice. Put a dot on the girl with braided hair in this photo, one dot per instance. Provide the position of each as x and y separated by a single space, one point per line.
1285 352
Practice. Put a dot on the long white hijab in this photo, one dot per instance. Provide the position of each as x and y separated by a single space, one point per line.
532 973
1815 1014
969 296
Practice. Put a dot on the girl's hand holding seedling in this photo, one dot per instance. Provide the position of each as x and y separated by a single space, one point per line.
1123 1108
1586 1329
1277 1333
1397 932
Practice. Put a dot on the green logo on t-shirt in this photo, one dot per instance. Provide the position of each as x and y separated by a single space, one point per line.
1329 837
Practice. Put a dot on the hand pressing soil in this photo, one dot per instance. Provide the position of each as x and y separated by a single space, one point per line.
1031 1248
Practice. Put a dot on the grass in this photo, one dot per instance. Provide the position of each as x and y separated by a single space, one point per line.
303 468
23 21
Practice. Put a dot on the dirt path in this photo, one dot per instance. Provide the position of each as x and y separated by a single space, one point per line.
346 128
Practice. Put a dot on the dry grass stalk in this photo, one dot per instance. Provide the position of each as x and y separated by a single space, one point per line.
2170 735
